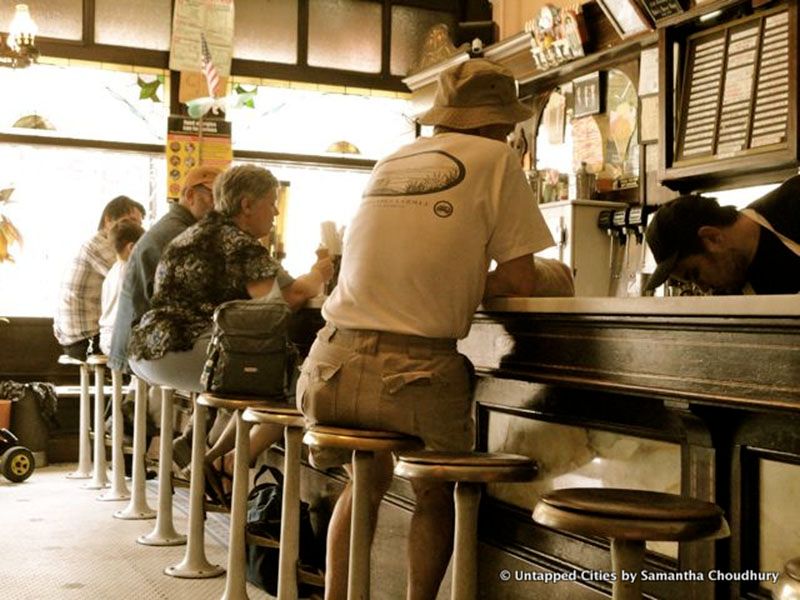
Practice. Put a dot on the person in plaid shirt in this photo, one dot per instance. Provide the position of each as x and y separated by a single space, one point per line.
75 324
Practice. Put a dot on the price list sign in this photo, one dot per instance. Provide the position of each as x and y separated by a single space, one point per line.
737 89
772 95
703 105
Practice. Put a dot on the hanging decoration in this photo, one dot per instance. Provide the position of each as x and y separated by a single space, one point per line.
148 90
557 35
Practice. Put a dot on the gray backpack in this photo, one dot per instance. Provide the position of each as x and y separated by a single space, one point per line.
250 353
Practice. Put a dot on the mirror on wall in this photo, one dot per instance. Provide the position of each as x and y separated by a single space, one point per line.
622 139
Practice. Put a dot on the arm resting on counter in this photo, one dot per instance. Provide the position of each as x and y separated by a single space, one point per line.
553 278
309 285
529 276
515 277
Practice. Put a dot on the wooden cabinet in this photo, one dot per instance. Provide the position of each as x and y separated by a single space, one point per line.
728 92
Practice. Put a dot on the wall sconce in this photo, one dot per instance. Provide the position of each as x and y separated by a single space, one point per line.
343 147
18 50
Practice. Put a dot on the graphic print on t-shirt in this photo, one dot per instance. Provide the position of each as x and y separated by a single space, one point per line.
416 174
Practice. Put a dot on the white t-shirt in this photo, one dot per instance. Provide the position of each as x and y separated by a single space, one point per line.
433 216
109 297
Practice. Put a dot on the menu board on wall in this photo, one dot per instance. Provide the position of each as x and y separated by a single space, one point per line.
737 89
195 142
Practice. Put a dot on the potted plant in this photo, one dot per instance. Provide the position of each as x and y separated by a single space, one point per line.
9 235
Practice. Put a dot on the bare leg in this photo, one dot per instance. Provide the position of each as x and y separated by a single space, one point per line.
262 436
338 544
430 538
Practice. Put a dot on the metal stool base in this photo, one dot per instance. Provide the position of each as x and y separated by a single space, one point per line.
151 539
112 496
135 515
194 571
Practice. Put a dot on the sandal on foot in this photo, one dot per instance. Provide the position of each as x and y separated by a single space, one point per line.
214 488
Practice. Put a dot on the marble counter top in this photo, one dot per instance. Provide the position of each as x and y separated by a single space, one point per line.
753 306
764 306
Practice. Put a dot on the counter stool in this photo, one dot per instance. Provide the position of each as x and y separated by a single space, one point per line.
629 518
164 533
364 443
293 423
468 470
119 489
84 470
195 565
788 584
99 475
137 508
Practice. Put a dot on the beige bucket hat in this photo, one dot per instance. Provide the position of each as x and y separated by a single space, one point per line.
475 93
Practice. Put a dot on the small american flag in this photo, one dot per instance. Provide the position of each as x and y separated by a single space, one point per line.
209 70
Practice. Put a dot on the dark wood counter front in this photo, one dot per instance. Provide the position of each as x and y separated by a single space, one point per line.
692 396
702 402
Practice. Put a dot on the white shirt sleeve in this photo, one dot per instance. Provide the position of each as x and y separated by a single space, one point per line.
519 226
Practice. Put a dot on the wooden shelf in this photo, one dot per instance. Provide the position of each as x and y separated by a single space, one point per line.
603 48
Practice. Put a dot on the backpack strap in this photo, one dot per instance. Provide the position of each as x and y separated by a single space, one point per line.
275 472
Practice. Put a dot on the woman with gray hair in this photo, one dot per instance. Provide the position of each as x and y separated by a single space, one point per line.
216 260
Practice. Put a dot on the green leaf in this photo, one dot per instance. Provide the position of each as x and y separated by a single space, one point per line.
149 89
245 97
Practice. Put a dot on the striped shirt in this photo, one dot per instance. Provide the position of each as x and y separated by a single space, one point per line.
78 311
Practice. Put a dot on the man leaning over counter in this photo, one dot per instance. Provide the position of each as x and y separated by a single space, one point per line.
726 251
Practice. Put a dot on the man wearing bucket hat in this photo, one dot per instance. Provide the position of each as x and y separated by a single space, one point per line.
725 251
414 269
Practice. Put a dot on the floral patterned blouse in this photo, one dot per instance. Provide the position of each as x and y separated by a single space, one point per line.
206 265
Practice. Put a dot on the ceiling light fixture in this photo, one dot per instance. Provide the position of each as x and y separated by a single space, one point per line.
19 51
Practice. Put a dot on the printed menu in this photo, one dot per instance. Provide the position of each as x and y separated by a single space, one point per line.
195 142
737 89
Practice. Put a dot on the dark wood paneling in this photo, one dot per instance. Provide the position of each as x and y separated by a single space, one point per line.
706 360
29 352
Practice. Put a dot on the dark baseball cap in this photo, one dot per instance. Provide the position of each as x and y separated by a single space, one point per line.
672 232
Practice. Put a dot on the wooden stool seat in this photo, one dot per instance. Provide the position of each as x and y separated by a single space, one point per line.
468 470
363 443
366 440
232 402
630 518
631 514
97 359
275 414
66 359
466 466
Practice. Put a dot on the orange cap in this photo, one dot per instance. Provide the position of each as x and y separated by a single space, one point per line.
200 176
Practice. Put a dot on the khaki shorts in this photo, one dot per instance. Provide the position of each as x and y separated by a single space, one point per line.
390 382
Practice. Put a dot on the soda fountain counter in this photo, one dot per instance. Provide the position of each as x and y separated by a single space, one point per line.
689 395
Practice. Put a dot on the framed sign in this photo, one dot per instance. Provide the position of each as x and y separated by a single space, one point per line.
626 17
588 95
661 9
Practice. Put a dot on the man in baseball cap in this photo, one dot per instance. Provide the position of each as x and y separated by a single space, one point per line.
727 251
196 201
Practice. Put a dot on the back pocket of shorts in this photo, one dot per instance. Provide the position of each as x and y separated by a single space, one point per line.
396 383
317 390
